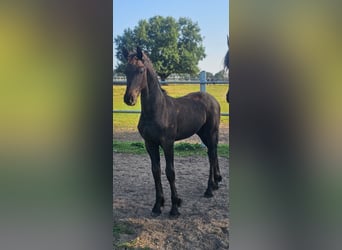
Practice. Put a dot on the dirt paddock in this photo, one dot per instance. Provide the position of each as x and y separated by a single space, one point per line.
203 223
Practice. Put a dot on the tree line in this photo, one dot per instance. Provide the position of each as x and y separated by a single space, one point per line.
174 46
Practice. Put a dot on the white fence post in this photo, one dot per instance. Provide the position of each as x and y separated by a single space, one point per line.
203 81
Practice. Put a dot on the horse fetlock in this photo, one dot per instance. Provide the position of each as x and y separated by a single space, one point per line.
156 211
177 201
155 214
159 202
162 201
218 178
215 185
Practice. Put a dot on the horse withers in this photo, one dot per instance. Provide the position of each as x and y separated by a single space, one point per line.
165 119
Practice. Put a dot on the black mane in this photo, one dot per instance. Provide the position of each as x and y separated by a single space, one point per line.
226 60
164 91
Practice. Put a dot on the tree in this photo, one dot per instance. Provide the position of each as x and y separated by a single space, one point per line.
221 75
173 46
210 76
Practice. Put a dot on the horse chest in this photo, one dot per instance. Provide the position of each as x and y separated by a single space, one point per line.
153 130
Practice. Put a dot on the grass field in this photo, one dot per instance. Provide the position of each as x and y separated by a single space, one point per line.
129 122
180 149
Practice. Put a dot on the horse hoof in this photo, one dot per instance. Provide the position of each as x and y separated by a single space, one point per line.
156 211
215 186
208 194
174 213
154 214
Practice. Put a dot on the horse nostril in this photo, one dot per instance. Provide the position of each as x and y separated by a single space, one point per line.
129 99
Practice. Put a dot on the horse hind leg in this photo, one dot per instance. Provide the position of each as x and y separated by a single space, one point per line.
214 175
217 174
153 151
213 136
210 139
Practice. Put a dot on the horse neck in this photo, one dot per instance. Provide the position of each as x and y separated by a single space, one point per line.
152 96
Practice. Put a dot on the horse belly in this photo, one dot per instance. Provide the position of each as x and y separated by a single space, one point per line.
188 127
184 135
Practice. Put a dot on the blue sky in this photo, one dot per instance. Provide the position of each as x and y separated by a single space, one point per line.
211 16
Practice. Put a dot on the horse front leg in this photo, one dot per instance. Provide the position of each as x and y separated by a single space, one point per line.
153 151
171 177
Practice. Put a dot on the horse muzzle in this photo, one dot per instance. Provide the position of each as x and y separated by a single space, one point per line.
130 99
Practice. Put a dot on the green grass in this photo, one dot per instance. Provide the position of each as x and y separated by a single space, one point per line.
125 228
180 149
131 246
122 228
130 121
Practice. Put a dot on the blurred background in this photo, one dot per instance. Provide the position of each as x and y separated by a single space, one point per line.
55 126
285 121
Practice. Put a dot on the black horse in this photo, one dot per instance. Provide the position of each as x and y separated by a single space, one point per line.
165 119
226 66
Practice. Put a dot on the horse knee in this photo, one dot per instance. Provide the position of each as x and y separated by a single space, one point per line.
156 173
170 174
155 168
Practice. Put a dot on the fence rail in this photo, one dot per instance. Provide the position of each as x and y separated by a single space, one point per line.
122 82
138 112
202 82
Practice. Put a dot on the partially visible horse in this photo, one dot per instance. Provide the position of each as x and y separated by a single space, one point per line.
165 119
226 66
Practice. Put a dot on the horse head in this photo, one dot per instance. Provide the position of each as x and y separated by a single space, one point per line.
136 75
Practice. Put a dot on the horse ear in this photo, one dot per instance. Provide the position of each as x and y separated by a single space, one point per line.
125 53
139 53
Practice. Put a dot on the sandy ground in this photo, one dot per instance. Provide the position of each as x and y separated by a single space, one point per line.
203 223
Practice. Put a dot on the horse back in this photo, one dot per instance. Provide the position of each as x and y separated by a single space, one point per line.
194 111
203 100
